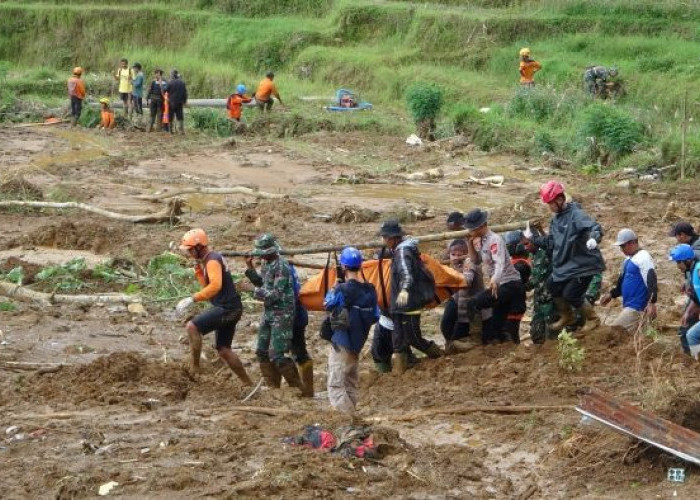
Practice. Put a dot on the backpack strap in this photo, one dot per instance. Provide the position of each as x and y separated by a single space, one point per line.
382 284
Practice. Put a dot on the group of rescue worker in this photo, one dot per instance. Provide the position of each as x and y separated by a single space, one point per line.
595 78
165 99
563 267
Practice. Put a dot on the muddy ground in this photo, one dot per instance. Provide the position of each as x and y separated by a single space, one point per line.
124 408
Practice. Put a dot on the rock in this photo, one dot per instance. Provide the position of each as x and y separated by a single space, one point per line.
624 184
414 140
137 308
106 488
12 430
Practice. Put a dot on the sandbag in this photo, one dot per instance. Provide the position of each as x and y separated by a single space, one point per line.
447 281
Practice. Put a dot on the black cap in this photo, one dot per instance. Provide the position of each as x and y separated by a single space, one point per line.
475 218
455 218
391 228
682 227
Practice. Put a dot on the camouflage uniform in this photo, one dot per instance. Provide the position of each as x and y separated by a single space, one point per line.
544 311
274 286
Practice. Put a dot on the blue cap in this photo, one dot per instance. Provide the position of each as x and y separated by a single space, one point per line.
240 89
681 253
351 258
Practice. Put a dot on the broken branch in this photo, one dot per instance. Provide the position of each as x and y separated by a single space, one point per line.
170 214
449 235
211 190
19 292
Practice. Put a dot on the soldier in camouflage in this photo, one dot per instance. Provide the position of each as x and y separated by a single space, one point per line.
274 286
544 311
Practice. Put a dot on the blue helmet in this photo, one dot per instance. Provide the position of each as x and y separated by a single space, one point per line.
513 237
240 89
351 258
681 253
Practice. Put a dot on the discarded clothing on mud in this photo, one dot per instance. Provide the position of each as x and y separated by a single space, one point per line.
348 441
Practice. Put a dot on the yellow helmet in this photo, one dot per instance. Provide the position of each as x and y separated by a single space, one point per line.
525 51
105 100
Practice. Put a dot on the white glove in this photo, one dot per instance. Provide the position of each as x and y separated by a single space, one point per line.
184 305
591 244
402 298
528 232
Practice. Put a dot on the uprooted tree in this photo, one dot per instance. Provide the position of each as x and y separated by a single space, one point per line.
424 101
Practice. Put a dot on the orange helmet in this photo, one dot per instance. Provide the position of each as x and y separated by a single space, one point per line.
78 71
192 238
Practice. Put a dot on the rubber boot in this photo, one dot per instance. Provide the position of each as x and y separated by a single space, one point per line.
434 351
306 370
588 312
73 121
382 367
271 375
289 372
399 363
566 315
181 126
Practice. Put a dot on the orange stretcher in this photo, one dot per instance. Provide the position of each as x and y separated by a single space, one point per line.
447 281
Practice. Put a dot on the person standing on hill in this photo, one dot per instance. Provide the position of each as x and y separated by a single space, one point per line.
124 76
76 93
528 68
572 243
636 284
177 99
218 288
266 90
155 99
234 105
137 91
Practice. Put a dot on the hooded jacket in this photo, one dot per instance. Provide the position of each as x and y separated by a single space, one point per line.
409 273
569 231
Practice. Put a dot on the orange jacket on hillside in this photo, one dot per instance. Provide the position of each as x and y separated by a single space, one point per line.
107 119
528 70
213 285
235 105
266 88
76 87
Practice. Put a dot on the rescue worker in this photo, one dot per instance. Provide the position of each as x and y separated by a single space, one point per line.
595 78
456 323
528 68
107 119
573 244
689 264
505 291
177 99
266 90
299 351
685 233
637 284
412 288
354 305
234 105
519 256
543 310
211 270
124 76
455 221
155 99
274 286
76 93
137 91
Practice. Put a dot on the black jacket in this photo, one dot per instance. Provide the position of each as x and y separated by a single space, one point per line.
569 231
409 273
177 92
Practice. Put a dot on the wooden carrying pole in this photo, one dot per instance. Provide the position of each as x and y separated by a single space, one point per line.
449 235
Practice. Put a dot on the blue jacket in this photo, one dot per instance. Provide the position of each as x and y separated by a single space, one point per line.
360 300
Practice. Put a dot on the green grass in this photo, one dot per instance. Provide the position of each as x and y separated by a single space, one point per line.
466 47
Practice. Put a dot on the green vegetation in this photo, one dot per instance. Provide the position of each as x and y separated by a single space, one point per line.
467 48
571 354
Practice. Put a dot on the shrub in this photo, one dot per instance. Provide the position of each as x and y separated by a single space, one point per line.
571 355
534 103
210 121
465 119
544 142
611 131
424 101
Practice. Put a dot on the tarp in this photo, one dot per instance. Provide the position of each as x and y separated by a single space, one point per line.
447 281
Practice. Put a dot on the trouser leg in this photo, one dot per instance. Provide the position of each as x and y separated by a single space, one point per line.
342 379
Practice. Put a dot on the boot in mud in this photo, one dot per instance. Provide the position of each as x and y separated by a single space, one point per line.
399 363
272 376
566 315
587 311
306 370
382 367
434 352
289 372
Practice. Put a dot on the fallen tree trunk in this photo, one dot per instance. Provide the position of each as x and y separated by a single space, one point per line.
500 228
170 214
211 190
461 410
18 292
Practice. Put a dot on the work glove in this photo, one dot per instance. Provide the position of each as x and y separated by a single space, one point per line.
528 232
259 293
402 298
591 244
184 305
